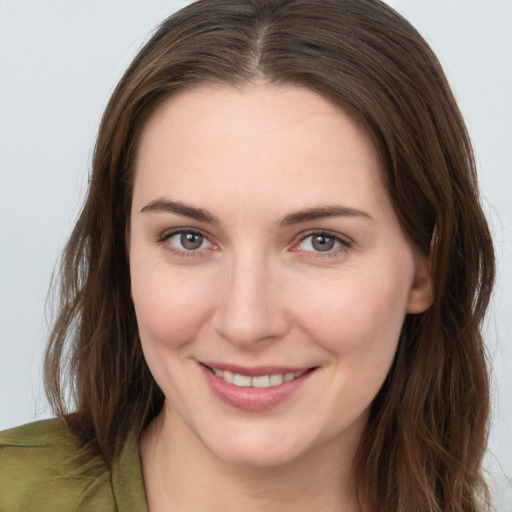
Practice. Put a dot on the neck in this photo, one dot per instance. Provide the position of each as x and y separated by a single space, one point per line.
182 475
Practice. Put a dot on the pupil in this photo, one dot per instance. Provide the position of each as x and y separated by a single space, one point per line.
191 241
323 243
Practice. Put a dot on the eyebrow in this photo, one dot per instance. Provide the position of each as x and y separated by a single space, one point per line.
308 214
178 208
323 212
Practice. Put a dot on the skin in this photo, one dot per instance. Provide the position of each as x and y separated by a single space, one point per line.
258 292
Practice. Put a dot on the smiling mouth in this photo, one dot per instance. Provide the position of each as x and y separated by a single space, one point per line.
260 381
255 389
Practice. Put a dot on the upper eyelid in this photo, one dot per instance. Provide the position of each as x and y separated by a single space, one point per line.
167 233
300 237
331 234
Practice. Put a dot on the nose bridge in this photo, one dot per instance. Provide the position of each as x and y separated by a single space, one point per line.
249 309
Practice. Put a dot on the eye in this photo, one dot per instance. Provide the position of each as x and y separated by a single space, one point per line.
323 242
187 241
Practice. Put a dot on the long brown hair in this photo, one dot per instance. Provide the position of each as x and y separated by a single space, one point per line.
426 435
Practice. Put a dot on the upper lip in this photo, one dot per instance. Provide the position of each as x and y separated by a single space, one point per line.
255 371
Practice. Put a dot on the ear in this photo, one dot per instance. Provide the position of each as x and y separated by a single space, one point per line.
420 294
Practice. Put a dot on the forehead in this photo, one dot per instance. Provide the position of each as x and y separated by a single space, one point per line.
266 142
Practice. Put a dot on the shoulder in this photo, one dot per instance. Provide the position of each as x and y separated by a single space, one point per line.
39 433
42 468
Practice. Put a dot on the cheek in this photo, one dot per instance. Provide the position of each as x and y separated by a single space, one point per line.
358 324
170 307
358 319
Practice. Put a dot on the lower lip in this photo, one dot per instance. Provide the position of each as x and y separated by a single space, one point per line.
253 399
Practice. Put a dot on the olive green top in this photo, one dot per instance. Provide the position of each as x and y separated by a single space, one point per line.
43 470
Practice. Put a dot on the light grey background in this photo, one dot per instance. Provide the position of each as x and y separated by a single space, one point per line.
59 62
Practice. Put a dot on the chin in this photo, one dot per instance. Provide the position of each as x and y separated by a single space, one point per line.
265 446
257 454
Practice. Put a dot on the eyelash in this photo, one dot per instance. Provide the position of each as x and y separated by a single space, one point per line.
344 243
184 253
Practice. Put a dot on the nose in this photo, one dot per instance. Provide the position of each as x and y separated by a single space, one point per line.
249 310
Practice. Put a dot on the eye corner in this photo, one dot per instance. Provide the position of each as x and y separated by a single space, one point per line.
321 243
187 242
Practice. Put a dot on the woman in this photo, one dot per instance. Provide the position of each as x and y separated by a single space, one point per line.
273 295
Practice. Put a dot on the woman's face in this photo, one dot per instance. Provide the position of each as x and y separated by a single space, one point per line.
269 272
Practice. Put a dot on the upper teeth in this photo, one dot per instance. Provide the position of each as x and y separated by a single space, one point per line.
262 381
